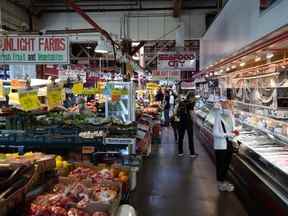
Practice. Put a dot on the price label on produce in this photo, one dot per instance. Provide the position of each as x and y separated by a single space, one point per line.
77 88
1 89
152 86
54 96
29 100
18 84
88 149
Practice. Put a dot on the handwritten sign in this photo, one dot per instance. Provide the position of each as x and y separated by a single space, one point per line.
29 100
54 96
77 88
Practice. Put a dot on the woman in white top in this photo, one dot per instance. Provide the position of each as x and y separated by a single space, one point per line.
223 134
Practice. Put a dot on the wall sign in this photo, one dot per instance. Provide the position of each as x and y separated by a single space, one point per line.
166 75
173 60
34 49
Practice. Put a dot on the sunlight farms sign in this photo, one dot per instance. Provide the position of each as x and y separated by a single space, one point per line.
34 49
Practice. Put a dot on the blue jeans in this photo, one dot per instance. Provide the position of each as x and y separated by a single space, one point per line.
166 116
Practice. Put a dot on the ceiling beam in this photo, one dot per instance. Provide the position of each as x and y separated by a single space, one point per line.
85 16
177 4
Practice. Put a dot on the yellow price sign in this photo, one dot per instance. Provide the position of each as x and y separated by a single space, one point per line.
54 96
77 88
29 100
1 89
152 86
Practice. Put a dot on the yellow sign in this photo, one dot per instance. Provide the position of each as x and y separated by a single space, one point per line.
54 96
152 86
1 89
29 100
77 88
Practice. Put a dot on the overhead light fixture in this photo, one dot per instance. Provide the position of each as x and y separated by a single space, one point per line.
233 66
207 75
221 71
101 47
242 64
257 59
283 66
269 55
228 69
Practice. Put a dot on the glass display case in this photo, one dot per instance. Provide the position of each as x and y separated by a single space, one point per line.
263 153
123 107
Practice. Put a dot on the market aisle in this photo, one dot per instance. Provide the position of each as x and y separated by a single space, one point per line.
171 186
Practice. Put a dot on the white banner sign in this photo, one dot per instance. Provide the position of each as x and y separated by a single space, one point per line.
166 75
173 60
73 74
34 49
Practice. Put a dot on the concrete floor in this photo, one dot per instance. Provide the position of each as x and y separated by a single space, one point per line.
172 186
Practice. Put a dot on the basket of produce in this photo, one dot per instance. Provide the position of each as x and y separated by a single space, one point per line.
85 191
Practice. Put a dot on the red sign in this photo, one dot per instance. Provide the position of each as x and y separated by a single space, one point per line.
181 61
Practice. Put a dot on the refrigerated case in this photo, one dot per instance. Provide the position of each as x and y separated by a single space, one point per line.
124 108
259 169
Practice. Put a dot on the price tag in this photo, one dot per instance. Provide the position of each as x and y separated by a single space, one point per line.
90 91
77 88
18 84
152 86
54 96
1 89
29 100
88 149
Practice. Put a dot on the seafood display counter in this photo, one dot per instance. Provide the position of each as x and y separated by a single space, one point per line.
260 168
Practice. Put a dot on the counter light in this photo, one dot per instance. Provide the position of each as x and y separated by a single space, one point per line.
257 59
269 55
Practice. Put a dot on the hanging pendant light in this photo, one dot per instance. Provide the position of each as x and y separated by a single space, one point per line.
101 47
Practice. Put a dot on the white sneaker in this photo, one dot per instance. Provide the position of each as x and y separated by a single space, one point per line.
221 186
229 187
180 155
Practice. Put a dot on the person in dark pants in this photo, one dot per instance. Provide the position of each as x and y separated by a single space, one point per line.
159 95
223 134
167 108
184 115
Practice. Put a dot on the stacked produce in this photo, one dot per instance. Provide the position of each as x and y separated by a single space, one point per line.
86 191
26 159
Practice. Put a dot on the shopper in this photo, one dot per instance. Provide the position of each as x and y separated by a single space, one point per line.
159 95
223 133
167 108
184 114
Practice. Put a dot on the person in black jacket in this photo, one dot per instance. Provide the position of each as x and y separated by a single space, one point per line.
184 115
159 95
